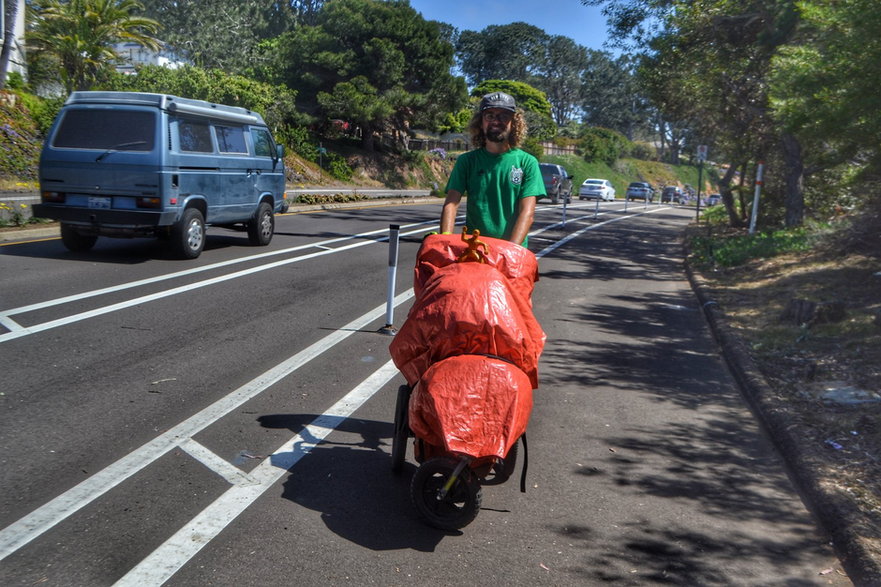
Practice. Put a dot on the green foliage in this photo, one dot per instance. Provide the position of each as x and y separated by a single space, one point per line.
825 86
329 199
274 103
42 111
500 52
377 64
220 34
602 144
19 143
337 166
80 34
732 251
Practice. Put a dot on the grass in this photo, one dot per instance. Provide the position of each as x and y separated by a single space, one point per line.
625 171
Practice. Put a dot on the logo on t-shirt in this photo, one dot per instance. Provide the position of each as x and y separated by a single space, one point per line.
516 175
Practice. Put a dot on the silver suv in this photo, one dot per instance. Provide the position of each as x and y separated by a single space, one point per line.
558 182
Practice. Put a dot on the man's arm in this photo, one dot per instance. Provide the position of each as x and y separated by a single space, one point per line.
525 216
450 209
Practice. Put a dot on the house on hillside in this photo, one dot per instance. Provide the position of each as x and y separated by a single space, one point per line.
133 55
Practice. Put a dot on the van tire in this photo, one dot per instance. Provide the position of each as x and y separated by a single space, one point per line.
188 235
262 226
74 241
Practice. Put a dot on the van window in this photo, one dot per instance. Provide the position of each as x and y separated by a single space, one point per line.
262 142
127 130
230 139
195 137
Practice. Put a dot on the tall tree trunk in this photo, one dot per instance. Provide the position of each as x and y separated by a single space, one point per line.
728 198
11 8
795 169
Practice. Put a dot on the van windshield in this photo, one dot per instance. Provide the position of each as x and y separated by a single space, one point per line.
123 130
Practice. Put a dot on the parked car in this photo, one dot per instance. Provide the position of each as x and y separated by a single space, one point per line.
640 190
558 182
714 199
596 189
672 193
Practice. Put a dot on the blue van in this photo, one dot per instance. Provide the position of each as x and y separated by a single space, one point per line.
127 164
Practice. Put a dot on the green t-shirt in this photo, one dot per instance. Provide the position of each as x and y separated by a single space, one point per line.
494 185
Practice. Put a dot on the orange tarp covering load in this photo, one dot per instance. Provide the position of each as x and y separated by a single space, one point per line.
472 405
470 346
470 308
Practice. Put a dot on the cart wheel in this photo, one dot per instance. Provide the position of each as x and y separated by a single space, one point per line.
460 505
402 428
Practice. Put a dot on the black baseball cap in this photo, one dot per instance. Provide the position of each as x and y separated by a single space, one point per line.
497 100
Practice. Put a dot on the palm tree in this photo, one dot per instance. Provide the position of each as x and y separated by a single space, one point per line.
81 35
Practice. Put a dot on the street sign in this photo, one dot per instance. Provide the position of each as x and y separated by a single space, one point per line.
701 153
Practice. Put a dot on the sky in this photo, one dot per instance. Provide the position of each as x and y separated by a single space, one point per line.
583 24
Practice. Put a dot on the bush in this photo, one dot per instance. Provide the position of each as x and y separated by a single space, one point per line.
19 143
736 250
603 145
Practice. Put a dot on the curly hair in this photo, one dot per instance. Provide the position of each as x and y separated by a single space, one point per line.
515 137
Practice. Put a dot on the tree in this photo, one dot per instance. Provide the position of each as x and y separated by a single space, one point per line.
558 73
81 35
378 64
508 51
707 66
612 96
223 34
824 86
10 8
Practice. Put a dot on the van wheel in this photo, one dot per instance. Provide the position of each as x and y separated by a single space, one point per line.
188 235
74 241
261 226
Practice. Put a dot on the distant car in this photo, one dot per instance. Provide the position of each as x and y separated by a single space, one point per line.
640 190
558 182
596 189
672 193
713 199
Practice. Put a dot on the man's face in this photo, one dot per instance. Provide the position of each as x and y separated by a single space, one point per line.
497 124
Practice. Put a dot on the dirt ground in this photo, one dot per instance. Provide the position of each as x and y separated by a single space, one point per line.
812 325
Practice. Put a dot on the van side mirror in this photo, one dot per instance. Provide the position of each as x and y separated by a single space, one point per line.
279 151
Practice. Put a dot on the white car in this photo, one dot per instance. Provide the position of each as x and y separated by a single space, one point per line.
596 189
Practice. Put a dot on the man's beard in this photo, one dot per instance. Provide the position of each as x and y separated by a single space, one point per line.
496 135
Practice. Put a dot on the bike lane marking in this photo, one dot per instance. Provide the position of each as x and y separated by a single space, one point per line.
174 553
58 509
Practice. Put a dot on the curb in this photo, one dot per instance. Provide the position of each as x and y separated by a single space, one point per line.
855 554
55 232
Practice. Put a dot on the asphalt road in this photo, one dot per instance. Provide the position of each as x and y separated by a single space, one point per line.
228 420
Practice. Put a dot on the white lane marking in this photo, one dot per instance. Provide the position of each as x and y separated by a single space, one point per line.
45 517
569 237
35 328
219 465
211 267
166 560
10 324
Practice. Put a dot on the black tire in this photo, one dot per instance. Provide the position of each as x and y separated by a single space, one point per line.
261 226
461 504
74 241
555 198
402 428
188 235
